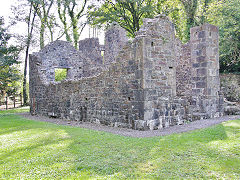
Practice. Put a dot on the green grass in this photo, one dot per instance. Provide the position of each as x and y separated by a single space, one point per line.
16 110
40 150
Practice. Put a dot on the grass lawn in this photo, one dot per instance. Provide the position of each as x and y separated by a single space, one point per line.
41 150
16 110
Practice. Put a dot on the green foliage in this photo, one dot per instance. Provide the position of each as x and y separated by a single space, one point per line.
226 15
190 9
42 9
128 13
8 54
9 80
40 150
175 11
60 74
9 73
74 11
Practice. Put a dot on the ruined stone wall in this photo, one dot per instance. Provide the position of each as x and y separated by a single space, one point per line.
115 40
153 82
207 101
60 54
113 98
184 69
100 57
162 108
91 48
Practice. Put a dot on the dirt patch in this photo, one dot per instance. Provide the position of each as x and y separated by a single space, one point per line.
134 133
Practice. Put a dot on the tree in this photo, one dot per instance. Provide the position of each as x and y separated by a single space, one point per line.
42 9
7 53
71 10
24 12
204 9
127 13
175 11
63 18
185 14
8 58
190 8
9 80
226 15
30 24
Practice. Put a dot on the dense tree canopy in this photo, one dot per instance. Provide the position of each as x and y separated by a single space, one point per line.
128 13
226 15
9 74
7 53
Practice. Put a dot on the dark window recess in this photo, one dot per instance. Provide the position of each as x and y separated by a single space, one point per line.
86 99
152 44
170 67
129 98
210 34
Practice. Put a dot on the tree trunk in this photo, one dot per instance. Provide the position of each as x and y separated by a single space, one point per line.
6 103
30 30
14 101
42 30
21 99
25 96
75 34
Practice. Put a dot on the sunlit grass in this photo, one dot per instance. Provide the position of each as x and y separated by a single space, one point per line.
16 110
41 150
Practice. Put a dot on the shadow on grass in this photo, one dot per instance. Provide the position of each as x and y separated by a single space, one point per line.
190 155
40 143
101 154
13 123
108 154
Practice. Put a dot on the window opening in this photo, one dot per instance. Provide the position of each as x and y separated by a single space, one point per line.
102 54
196 34
60 74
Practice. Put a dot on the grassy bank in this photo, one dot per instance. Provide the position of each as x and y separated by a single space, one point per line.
40 150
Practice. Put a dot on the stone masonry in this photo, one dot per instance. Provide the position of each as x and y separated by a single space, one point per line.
152 82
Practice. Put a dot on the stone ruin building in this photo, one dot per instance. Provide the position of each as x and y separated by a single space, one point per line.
151 82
